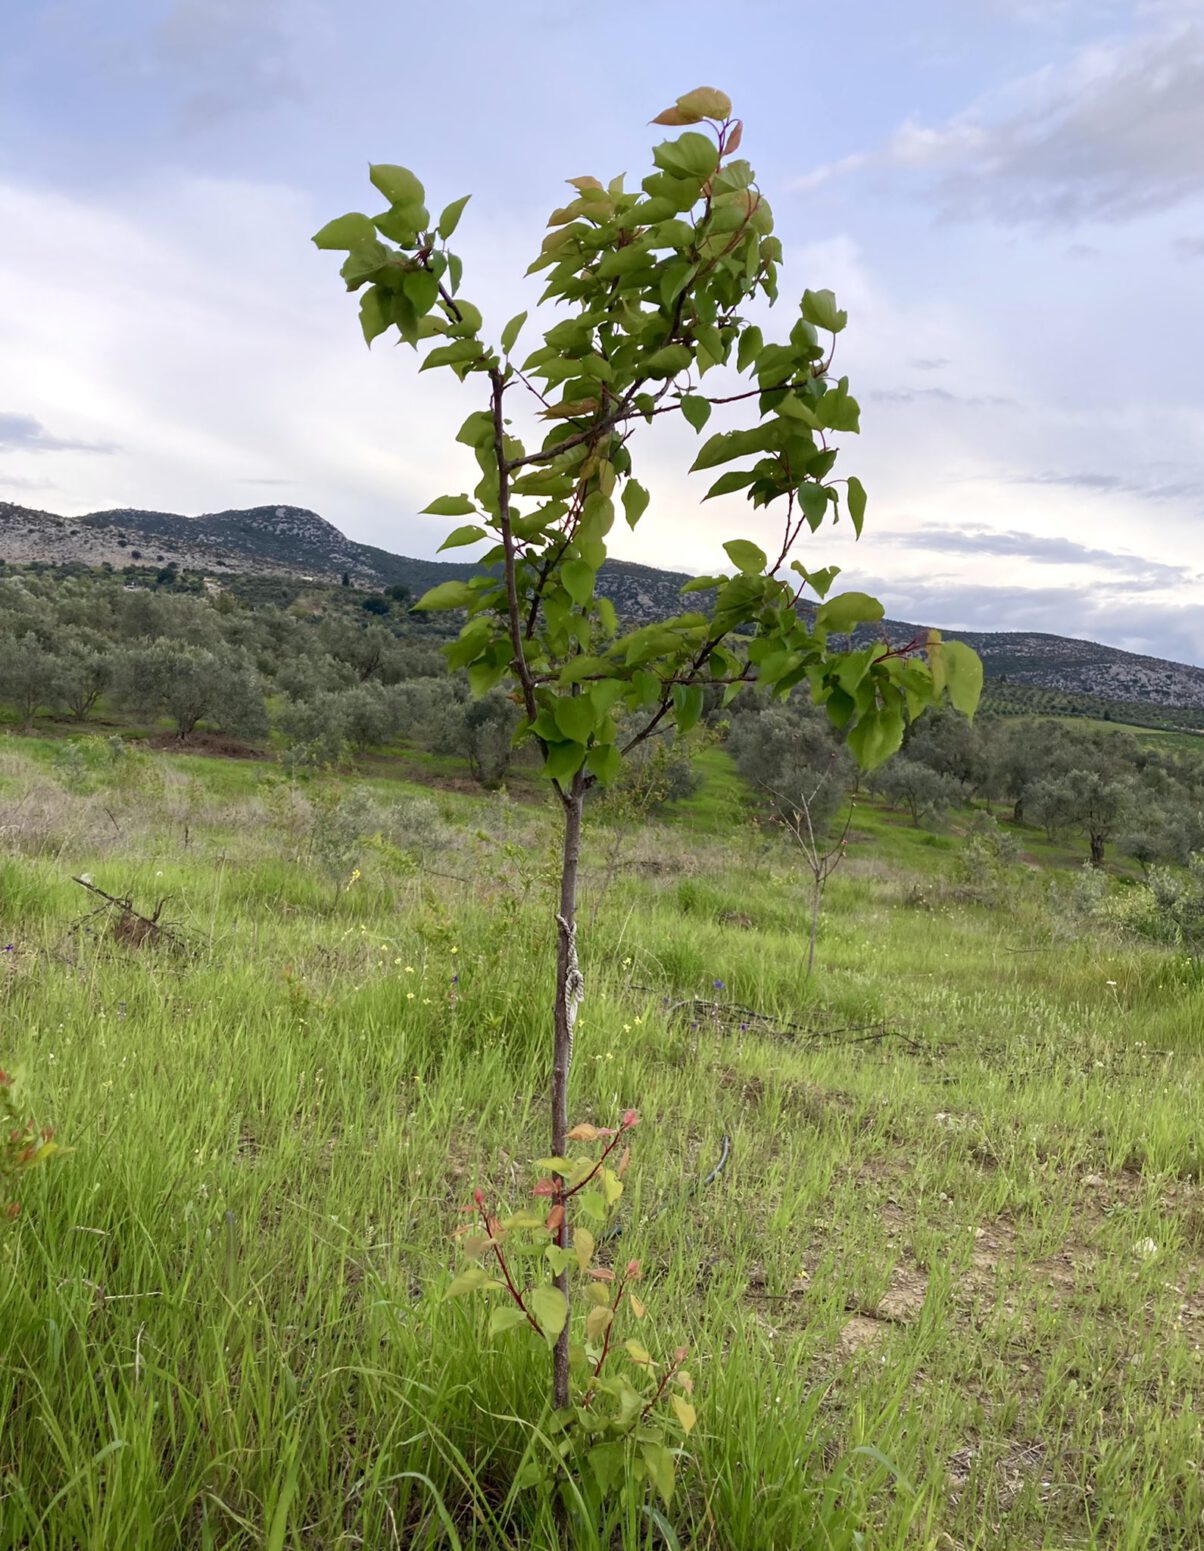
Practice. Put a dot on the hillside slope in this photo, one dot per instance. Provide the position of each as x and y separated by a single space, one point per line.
290 540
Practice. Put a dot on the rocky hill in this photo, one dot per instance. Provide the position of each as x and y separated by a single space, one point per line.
289 540
258 541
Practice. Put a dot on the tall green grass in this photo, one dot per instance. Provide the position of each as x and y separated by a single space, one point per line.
922 1297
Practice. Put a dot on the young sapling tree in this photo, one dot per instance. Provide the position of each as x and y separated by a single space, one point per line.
654 286
822 854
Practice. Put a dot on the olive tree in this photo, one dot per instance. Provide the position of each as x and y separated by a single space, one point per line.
792 753
191 684
84 671
924 792
653 287
29 676
481 730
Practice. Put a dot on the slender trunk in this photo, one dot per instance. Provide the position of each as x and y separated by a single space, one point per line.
569 990
1097 850
816 896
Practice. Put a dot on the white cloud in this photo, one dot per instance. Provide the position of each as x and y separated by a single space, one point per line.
1113 134
25 433
213 346
198 329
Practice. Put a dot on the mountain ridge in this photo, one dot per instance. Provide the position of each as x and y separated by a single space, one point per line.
296 542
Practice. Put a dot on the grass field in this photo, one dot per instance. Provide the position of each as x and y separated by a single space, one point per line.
947 1293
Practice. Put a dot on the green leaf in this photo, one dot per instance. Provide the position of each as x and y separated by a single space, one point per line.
706 102
606 763
819 308
477 430
344 232
852 668
447 595
691 155
838 410
813 499
564 760
697 411
820 581
608 1461
607 616
846 611
468 534
422 290
578 578
661 1468
405 318
576 717
687 701
592 1204
734 479
604 693
506 1317
726 445
450 218
548 1305
597 514
703 583
484 676
856 499
375 315
635 501
736 174
685 1412
963 675
397 184
456 354
668 361
469 321
362 262
511 332
751 342
624 261
746 556
877 735
467 1281
449 506
584 668
672 234
402 223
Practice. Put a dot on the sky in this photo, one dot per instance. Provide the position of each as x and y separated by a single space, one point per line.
1006 195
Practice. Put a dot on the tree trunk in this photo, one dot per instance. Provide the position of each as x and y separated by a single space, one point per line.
816 897
1018 811
569 990
1097 849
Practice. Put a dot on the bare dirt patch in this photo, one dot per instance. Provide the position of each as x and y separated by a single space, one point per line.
859 1333
214 745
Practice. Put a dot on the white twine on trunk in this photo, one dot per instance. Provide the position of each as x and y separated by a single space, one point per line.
574 982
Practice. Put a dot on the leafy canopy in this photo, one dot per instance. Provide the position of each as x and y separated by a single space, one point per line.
653 285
